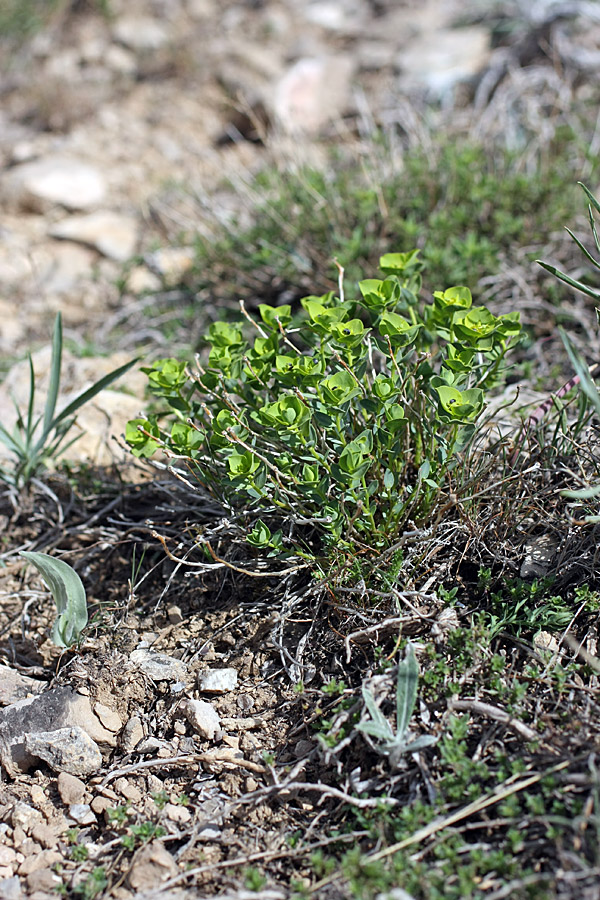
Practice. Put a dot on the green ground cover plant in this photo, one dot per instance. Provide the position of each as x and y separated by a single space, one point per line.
349 418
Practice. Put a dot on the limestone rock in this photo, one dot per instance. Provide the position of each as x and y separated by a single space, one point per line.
15 686
217 681
203 718
70 788
312 93
112 234
151 866
54 180
66 750
159 666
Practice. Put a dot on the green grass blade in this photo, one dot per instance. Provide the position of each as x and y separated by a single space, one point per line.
379 726
69 596
590 196
586 382
12 442
30 427
578 285
406 690
55 365
585 252
593 228
91 392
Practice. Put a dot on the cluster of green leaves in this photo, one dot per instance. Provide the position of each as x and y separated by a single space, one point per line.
348 418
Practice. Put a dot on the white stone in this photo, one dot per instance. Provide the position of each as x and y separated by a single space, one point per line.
312 93
55 180
172 262
203 718
441 60
82 813
113 234
217 681
132 734
141 33
159 666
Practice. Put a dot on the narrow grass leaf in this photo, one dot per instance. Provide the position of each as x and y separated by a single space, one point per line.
379 726
406 690
578 285
69 596
585 252
91 392
586 382
590 196
54 383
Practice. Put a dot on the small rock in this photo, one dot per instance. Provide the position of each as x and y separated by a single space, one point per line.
45 835
174 614
217 681
151 866
109 717
454 55
113 234
539 554
14 686
141 281
100 804
39 861
154 745
66 750
128 790
82 813
203 718
159 666
178 814
37 186
172 262
209 833
25 816
132 734
312 93
7 855
141 33
120 60
45 880
11 888
70 788
216 761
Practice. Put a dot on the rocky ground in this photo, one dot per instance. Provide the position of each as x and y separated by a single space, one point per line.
173 722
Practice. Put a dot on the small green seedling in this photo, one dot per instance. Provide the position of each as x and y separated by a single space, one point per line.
69 596
394 746
35 440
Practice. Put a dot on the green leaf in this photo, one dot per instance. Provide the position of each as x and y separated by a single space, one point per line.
69 596
578 285
586 382
55 366
406 690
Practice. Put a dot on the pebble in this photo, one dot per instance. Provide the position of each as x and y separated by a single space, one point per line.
82 813
217 681
109 717
14 686
24 816
43 880
7 855
203 718
140 33
11 888
37 186
152 865
66 750
313 93
159 666
112 234
128 790
178 814
132 734
70 788
45 835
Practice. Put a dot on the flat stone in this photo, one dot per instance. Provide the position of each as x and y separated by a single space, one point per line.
152 865
217 681
69 750
44 835
132 734
140 33
203 718
56 709
70 788
45 880
312 93
449 56
25 816
82 813
110 718
539 554
159 666
15 686
112 234
178 814
39 185
38 861
11 888
7 855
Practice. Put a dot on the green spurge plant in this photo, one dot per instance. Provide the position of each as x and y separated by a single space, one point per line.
348 416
